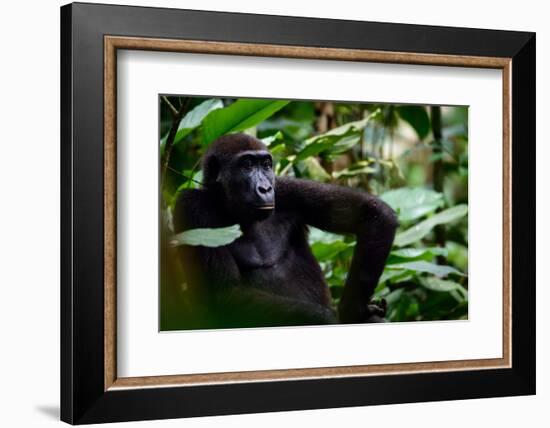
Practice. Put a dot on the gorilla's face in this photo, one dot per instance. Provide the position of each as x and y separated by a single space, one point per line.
248 182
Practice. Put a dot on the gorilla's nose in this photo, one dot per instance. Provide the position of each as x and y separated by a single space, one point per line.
264 189
266 195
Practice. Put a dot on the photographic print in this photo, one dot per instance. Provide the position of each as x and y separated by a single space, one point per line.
281 213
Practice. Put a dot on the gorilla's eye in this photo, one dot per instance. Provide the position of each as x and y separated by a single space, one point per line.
267 164
246 163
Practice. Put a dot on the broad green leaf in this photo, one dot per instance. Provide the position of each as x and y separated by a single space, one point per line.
326 245
445 286
316 148
395 275
324 251
409 254
341 130
215 237
192 120
413 203
417 117
195 117
242 114
337 140
420 230
413 253
426 267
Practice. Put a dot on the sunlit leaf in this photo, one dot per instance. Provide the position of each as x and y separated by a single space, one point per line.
268 141
337 140
242 114
409 254
420 230
193 119
413 253
413 203
214 237
426 267
446 286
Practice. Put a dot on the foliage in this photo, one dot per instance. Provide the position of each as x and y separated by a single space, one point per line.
393 151
215 237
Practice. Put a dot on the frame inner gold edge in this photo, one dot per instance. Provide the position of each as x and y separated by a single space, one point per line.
112 43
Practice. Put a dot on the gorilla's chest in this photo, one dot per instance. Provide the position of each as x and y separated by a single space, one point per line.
275 257
262 246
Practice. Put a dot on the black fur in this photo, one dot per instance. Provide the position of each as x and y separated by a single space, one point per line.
269 275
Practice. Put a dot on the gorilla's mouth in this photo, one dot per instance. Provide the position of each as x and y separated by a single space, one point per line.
265 207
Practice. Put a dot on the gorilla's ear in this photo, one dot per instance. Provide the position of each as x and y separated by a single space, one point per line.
211 170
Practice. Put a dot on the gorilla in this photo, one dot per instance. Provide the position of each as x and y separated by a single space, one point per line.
269 276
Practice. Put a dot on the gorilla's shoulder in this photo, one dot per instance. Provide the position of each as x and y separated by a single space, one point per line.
193 209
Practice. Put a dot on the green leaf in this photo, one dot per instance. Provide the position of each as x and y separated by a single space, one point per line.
420 230
413 203
326 245
195 117
191 180
361 167
413 253
409 254
192 120
445 286
396 275
417 117
323 251
426 267
337 140
242 114
215 237
268 141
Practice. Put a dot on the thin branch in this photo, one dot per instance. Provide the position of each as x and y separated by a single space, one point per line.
183 175
172 136
173 110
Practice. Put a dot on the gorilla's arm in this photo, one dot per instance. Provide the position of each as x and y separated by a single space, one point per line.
349 211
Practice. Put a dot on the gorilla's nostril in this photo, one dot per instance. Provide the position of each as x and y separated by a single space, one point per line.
265 190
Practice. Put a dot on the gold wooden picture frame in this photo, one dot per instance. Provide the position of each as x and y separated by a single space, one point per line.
114 43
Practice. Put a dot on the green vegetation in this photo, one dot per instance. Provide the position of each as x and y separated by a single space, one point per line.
414 157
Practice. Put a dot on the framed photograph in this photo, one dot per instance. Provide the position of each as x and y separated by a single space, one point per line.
267 213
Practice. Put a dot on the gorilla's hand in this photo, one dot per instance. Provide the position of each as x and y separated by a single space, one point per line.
353 312
376 311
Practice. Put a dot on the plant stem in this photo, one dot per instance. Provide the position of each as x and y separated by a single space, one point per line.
438 171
